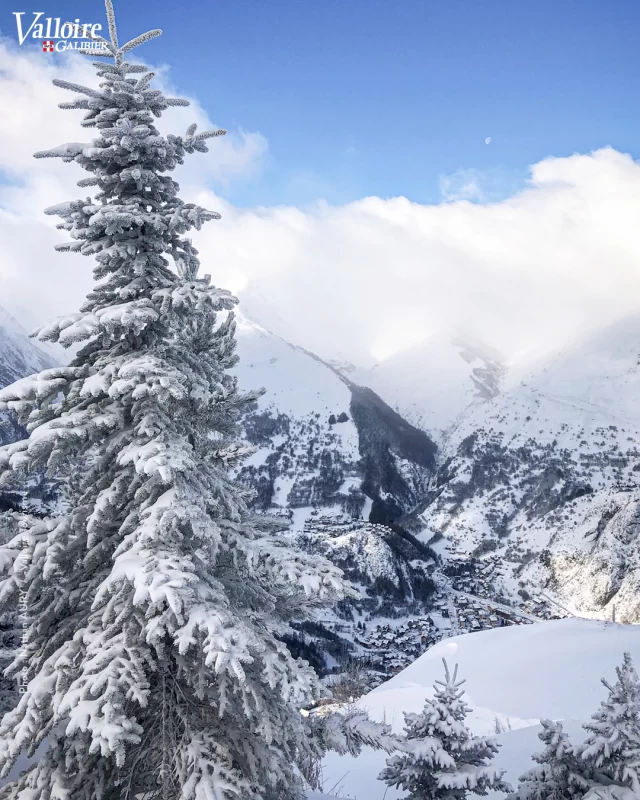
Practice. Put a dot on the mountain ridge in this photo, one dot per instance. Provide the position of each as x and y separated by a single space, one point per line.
431 384
544 472
546 475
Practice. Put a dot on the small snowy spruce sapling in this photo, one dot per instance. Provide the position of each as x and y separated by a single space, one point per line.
440 759
612 749
560 773
157 604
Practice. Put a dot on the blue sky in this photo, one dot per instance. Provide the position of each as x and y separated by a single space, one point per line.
363 97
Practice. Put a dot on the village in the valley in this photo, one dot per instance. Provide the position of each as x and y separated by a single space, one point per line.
466 601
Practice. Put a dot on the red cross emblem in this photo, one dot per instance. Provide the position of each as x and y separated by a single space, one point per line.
47 46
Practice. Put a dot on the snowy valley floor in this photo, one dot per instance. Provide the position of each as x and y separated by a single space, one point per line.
515 677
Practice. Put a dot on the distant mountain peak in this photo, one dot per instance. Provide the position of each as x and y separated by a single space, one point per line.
19 355
432 383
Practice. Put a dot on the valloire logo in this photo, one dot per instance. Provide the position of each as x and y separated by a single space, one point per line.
57 36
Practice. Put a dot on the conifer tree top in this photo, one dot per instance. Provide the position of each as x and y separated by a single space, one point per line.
127 162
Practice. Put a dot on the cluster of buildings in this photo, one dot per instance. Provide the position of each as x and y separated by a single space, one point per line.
476 576
390 649
542 609
475 615
468 600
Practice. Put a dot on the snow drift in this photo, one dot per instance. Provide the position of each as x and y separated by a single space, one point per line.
515 677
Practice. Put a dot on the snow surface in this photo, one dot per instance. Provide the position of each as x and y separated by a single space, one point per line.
297 383
516 675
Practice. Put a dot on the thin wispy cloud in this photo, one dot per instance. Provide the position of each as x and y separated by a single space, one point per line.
464 184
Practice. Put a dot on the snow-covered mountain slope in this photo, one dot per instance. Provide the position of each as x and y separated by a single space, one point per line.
388 567
515 677
19 355
545 474
322 442
322 445
302 459
329 453
431 384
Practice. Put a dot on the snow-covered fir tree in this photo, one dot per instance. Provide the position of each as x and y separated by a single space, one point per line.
10 622
612 749
156 603
560 773
440 759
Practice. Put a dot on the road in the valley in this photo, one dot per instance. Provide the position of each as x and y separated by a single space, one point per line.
453 616
444 585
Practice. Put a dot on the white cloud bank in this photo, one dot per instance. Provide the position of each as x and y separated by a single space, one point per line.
360 280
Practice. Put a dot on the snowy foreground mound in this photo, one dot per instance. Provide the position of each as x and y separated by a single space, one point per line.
515 677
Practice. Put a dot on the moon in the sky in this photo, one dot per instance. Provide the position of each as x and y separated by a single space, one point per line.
487 140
